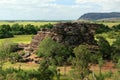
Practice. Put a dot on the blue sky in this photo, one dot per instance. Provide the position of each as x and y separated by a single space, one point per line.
53 9
65 2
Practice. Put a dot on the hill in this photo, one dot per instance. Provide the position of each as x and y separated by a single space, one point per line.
100 16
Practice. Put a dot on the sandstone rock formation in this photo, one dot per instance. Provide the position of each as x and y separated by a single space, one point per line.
69 33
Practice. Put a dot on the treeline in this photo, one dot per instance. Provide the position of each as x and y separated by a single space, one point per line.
7 31
104 28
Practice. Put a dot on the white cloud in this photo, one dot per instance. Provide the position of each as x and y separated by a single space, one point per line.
107 5
25 1
49 9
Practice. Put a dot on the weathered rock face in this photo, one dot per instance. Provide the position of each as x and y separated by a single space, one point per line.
73 34
70 34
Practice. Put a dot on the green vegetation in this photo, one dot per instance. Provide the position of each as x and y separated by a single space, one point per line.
5 31
23 66
81 62
42 73
107 51
6 49
102 29
104 48
54 54
25 23
110 24
19 39
116 47
109 33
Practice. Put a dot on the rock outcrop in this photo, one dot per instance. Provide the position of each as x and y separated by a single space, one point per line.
69 33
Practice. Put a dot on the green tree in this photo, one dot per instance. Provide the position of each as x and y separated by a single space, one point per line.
81 62
116 49
100 62
118 66
104 48
116 43
57 52
17 29
48 26
102 29
5 31
30 29
116 27
44 69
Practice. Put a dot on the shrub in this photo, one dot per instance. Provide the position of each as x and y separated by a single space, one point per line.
102 29
81 62
57 52
48 26
30 29
5 31
116 57
17 29
94 58
116 27
104 48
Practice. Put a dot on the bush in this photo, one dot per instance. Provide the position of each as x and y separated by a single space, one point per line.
30 29
17 29
81 62
56 51
116 57
116 27
6 50
8 46
5 31
47 26
43 73
102 29
94 58
113 34
104 48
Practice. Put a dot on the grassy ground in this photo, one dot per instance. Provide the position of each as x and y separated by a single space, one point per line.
67 76
110 24
33 66
19 39
105 35
24 66
25 23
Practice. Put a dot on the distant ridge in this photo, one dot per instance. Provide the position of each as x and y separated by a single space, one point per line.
100 16
35 20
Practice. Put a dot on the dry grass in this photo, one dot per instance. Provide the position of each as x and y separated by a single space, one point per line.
110 24
25 23
24 66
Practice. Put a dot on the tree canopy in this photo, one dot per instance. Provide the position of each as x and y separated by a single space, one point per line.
51 49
